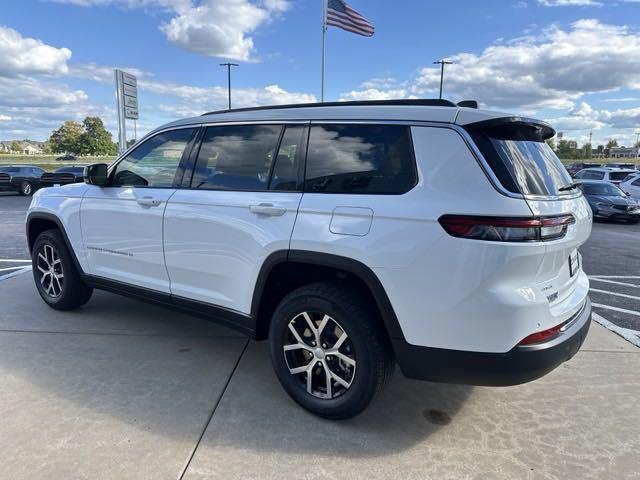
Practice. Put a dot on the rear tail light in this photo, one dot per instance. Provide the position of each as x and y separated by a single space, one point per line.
501 229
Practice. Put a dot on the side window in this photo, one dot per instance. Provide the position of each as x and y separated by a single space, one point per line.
237 157
580 174
290 159
636 183
598 175
155 162
360 159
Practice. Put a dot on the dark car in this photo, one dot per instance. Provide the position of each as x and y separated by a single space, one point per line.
608 201
23 179
63 176
632 166
575 167
67 158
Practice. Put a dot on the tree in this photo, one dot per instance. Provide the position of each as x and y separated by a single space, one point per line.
95 140
16 147
552 143
612 144
66 139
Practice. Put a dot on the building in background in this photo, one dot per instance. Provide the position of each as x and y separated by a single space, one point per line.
623 152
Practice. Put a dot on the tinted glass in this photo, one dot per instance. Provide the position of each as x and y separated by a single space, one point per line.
605 189
593 175
364 159
236 157
11 169
290 159
618 176
636 183
155 162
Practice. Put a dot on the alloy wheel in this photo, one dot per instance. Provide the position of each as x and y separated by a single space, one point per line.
50 271
26 189
318 351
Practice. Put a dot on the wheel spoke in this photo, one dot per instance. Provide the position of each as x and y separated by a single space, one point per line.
295 333
328 375
42 270
55 262
340 341
44 278
312 327
339 379
303 368
323 324
342 357
297 346
59 285
44 259
310 379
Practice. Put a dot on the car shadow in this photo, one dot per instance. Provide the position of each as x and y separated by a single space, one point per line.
165 372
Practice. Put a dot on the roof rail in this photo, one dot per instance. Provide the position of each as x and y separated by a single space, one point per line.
424 102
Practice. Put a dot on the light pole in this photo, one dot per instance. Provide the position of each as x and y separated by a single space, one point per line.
229 65
637 145
442 63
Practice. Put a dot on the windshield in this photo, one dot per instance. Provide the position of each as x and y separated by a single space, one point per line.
603 189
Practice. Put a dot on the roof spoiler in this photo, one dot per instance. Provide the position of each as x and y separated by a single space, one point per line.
468 104
539 130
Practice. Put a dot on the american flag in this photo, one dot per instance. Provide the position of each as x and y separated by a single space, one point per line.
341 15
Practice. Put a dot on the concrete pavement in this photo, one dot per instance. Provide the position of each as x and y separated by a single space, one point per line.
120 389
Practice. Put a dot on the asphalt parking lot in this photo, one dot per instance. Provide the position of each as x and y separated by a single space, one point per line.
122 389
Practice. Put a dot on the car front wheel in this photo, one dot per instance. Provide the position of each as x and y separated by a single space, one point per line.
329 351
56 276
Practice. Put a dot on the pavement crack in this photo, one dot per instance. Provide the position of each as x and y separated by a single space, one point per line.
213 411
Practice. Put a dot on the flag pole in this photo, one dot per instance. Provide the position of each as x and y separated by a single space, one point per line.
324 35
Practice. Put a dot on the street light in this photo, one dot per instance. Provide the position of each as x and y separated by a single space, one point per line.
442 63
229 65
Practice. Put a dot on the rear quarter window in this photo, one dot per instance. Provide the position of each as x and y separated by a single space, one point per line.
360 159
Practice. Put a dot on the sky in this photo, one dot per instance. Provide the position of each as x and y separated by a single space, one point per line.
574 63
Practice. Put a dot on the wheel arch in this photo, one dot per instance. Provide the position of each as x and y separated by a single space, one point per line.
38 222
279 266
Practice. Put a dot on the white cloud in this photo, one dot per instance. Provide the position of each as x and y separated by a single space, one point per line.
584 117
569 3
5 118
216 28
553 69
374 94
197 100
20 55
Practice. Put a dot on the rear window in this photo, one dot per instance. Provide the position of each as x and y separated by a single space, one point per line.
360 159
522 161
618 176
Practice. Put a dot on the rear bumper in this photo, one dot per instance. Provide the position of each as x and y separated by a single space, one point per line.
520 365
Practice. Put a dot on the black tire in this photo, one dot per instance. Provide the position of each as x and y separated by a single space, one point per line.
67 292
26 188
367 346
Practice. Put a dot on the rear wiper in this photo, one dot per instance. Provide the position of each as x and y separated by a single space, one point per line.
570 186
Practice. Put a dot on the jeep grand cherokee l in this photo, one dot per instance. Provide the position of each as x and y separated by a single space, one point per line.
353 236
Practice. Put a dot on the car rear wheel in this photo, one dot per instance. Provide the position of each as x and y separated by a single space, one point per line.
56 276
26 188
328 350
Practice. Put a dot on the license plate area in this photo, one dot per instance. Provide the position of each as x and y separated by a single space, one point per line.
574 263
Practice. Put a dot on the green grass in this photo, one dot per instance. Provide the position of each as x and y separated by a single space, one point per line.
48 162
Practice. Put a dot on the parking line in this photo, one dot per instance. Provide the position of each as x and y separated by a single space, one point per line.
614 282
615 276
10 268
13 274
616 309
10 260
597 290
632 336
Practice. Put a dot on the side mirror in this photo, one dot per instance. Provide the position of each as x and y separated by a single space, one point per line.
96 174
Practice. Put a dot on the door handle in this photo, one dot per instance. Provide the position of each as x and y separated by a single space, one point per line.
148 201
267 209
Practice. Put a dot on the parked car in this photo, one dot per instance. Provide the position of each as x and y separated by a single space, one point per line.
608 201
69 157
630 166
344 234
631 185
575 167
23 179
611 175
63 176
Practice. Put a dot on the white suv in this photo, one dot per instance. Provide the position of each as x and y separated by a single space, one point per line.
352 236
